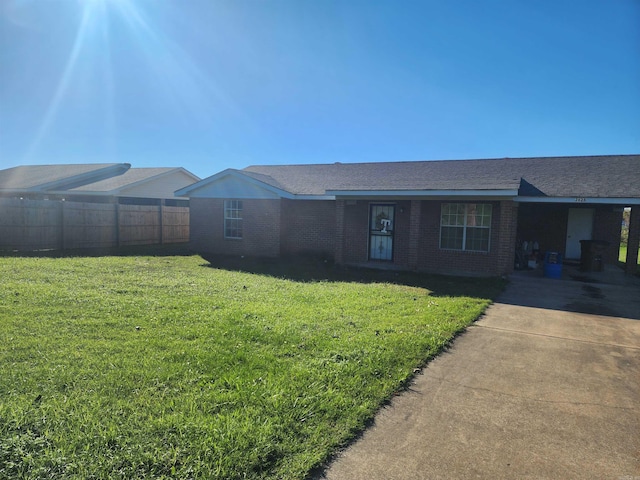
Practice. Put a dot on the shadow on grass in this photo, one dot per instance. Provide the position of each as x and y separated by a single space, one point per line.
309 269
172 250
300 269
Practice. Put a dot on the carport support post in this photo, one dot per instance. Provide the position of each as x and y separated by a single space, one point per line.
508 224
631 266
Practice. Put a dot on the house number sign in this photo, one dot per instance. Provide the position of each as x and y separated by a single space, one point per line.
580 200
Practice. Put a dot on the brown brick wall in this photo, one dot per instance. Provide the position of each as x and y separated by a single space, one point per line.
402 233
419 248
432 258
507 228
607 226
429 237
202 229
415 215
341 228
308 227
261 228
356 232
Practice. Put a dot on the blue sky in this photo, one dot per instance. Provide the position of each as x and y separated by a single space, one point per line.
210 84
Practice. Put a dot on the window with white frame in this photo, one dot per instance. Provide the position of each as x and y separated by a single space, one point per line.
465 226
233 219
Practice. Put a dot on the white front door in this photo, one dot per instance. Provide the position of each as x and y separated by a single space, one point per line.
579 227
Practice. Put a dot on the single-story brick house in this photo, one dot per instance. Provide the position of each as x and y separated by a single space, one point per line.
456 216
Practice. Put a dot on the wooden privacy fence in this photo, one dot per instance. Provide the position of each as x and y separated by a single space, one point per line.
58 225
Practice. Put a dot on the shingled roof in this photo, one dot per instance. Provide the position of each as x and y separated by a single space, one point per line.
394 176
40 178
594 176
604 176
132 177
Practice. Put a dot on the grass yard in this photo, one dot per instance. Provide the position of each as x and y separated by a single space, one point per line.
145 366
623 254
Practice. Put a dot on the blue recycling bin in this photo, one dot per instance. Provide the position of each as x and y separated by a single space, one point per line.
553 265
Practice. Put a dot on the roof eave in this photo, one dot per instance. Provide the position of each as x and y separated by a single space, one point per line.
507 193
312 197
86 178
581 200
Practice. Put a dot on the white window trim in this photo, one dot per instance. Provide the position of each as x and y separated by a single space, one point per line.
464 229
225 208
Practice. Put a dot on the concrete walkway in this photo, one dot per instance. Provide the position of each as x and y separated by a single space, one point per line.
545 385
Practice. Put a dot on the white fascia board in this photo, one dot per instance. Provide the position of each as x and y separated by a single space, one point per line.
26 191
313 197
91 193
423 193
580 200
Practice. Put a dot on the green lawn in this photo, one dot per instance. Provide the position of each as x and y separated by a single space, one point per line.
623 254
163 367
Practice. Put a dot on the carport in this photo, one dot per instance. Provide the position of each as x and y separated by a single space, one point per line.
562 225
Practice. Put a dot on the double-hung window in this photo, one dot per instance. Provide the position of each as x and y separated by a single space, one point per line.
465 226
233 219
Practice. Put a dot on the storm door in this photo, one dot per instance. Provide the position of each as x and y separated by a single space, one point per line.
381 227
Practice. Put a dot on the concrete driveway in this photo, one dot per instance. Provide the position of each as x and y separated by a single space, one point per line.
545 385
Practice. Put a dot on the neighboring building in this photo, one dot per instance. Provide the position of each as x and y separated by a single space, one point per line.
139 185
464 216
45 207
99 183
38 180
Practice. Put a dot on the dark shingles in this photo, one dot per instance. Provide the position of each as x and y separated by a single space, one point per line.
595 176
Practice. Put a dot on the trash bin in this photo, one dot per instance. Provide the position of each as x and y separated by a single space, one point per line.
553 265
591 254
